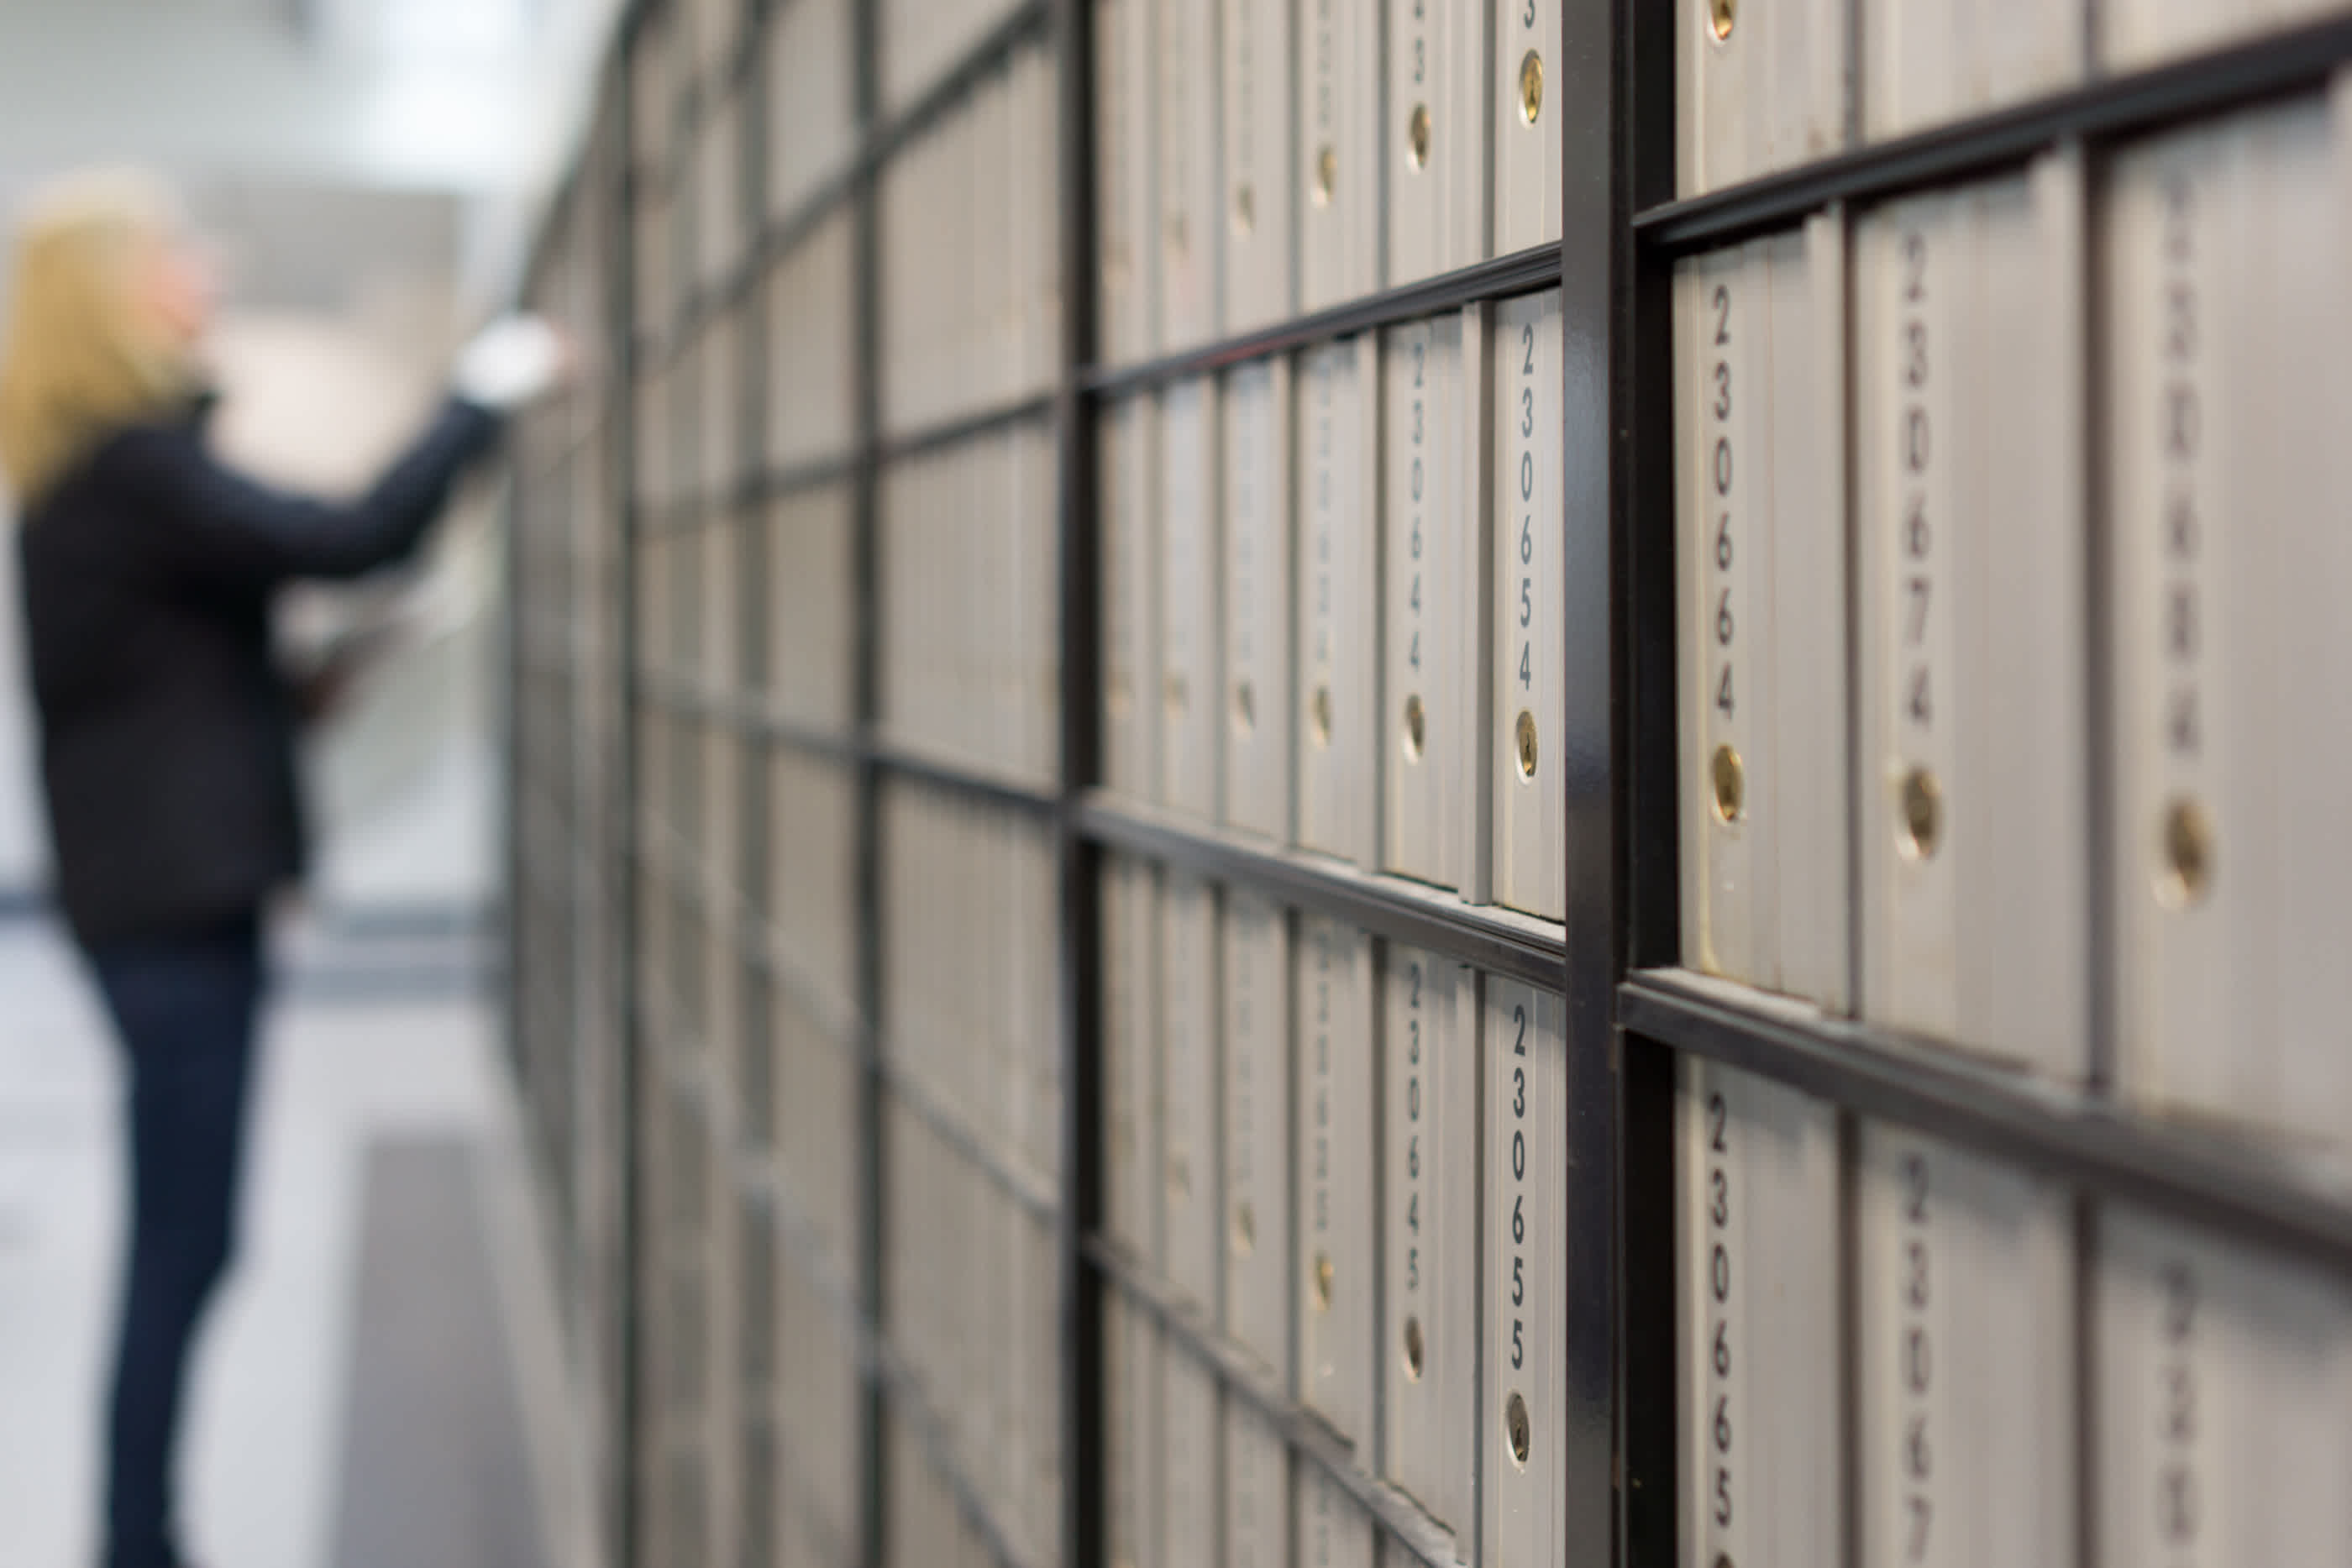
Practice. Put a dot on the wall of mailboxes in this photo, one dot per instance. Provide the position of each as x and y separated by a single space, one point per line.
1055 707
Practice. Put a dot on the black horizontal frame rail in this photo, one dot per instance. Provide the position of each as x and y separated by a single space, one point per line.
1493 939
2108 1151
779 235
673 863
1032 1192
1026 409
751 718
1240 1373
793 478
678 871
1026 20
690 514
759 1178
793 1480
773 725
910 1404
740 59
968 779
757 1175
1521 272
764 948
2101 109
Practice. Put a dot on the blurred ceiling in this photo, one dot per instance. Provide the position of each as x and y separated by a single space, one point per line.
327 141
467 95
294 243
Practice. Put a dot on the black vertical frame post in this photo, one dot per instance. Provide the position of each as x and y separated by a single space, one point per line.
1078 977
1590 206
748 510
866 248
1641 525
627 1503
754 1088
515 915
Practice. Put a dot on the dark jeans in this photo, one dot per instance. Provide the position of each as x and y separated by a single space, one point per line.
184 1007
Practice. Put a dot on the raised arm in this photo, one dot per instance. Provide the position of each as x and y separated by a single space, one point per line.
222 528
217 526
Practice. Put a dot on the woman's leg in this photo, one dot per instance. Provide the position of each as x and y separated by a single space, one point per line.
185 1010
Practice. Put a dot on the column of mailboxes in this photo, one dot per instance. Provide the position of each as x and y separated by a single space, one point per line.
696 1426
813 942
1332 612
566 724
601 1092
789 560
673 1200
538 456
968 628
2005 573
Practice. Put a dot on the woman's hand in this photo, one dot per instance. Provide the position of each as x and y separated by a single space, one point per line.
514 361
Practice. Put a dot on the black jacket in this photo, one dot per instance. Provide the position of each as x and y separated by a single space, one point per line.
166 729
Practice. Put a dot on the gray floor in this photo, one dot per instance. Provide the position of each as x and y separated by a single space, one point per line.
436 1467
378 1384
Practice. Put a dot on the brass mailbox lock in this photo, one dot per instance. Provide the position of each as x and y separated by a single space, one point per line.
2188 872
1923 814
1730 784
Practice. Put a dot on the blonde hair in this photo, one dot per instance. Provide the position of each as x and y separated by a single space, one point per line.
79 362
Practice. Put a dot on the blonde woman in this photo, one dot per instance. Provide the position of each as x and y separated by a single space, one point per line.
166 732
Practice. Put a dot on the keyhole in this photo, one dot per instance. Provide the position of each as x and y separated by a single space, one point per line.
1923 814
1730 784
2188 855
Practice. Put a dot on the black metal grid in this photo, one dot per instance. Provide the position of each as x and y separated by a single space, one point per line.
2103 1151
1613 956
1086 822
2103 109
2086 1139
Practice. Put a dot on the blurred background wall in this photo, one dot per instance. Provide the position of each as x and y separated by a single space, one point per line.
369 169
